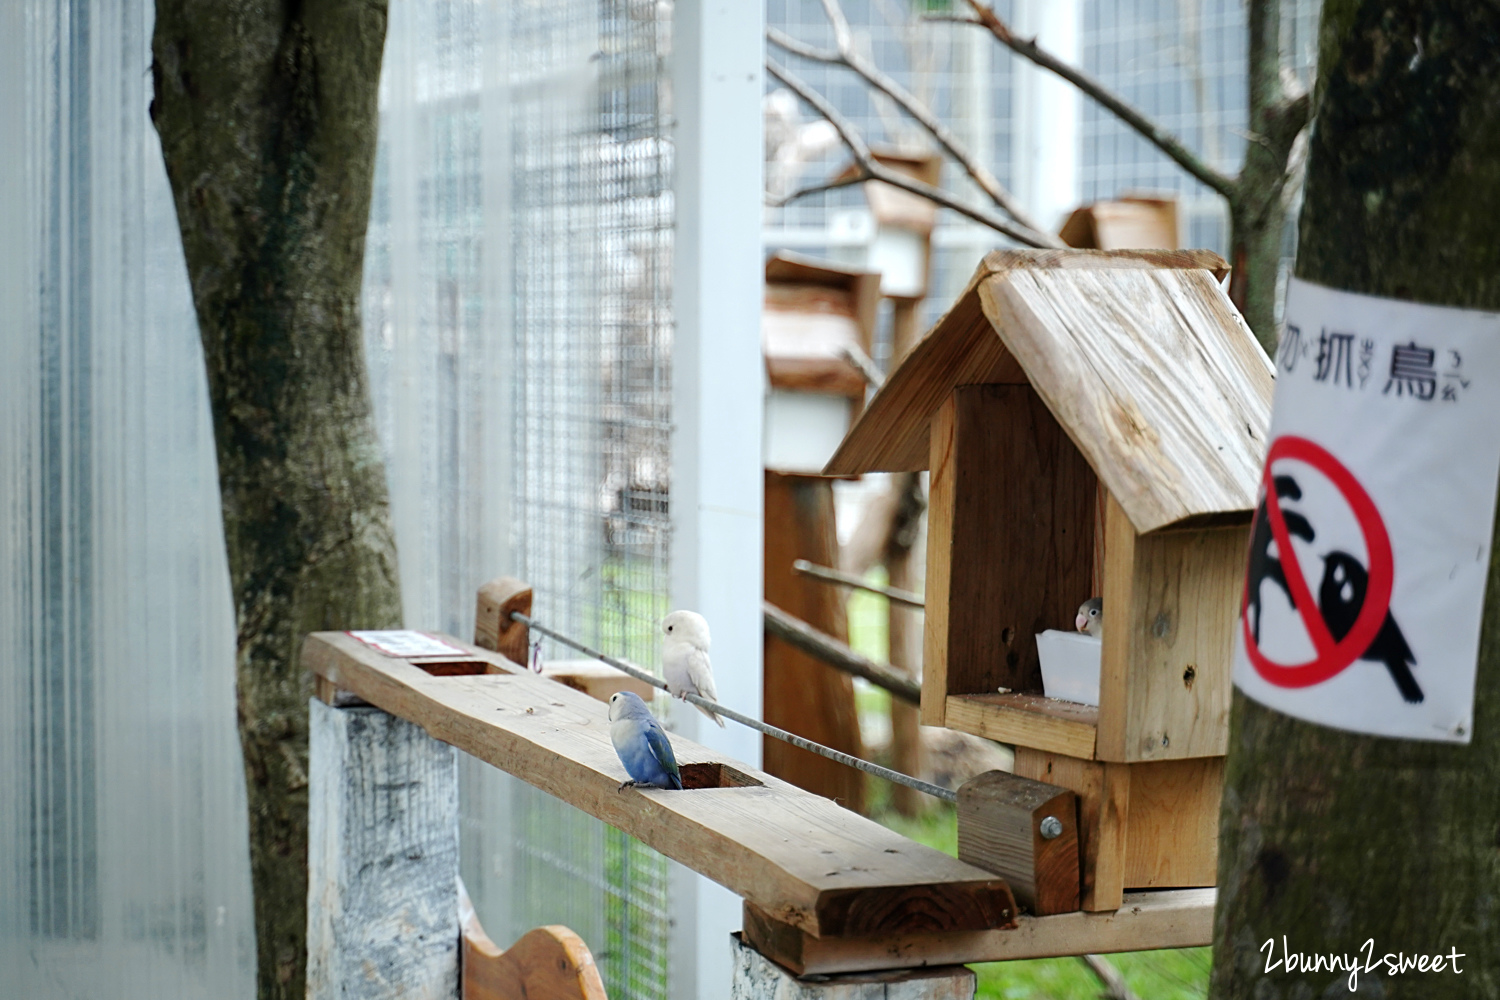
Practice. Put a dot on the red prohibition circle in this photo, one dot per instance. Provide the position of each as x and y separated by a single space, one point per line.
1330 657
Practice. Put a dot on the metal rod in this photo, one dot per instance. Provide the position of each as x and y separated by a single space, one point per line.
850 580
796 632
936 791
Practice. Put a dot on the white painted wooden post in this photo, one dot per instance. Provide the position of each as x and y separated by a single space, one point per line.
718 52
1045 129
382 894
758 978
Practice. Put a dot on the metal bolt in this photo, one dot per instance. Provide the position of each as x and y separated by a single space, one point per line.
1051 827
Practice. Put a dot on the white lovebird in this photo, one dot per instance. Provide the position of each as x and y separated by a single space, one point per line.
1090 620
684 659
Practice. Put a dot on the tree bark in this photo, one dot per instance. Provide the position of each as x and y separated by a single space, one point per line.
1257 208
1329 837
266 110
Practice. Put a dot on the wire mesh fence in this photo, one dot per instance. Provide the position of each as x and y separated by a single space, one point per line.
518 326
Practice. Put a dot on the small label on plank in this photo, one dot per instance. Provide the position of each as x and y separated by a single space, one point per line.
407 644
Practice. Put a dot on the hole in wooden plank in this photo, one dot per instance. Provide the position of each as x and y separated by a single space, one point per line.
716 775
452 668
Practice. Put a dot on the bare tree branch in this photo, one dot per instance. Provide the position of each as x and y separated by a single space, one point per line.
865 364
1149 130
1115 987
817 643
876 170
839 182
848 57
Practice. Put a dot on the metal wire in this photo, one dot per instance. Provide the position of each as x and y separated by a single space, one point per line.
936 791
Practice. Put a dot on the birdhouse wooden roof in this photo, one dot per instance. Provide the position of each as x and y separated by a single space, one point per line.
1138 354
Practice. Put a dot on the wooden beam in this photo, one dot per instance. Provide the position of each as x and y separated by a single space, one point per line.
795 632
1178 918
800 856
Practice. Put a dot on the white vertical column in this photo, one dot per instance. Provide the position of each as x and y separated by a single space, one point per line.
717 374
1045 113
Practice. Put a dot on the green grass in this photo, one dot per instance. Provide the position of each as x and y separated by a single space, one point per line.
1157 975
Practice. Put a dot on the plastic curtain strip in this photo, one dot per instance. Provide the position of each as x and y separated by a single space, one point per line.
517 318
123 860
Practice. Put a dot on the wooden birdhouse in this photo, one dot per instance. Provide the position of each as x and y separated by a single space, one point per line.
1094 423
818 319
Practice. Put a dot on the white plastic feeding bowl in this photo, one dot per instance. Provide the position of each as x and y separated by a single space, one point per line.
1070 665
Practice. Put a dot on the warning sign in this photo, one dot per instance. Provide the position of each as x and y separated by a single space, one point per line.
1370 548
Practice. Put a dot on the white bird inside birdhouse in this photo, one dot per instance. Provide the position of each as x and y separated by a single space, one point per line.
1090 620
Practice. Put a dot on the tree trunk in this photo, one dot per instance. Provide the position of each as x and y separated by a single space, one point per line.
1329 837
1258 208
267 116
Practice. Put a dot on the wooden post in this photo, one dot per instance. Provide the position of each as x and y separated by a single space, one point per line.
904 634
802 694
382 899
903 628
758 978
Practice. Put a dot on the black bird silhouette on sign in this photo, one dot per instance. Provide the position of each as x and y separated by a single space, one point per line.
1263 566
1340 598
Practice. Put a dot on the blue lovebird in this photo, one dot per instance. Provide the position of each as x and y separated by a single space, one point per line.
641 743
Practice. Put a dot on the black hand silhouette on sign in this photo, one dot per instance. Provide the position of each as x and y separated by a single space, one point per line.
1340 598
1263 566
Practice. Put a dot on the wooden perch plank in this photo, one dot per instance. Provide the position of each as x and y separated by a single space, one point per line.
1180 918
797 855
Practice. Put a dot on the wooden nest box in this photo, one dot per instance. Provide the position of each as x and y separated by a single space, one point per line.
816 316
1094 423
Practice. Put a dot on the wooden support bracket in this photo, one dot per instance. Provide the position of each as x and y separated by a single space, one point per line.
1174 918
1026 831
493 627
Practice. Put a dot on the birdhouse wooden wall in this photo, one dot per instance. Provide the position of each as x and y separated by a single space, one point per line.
1094 424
